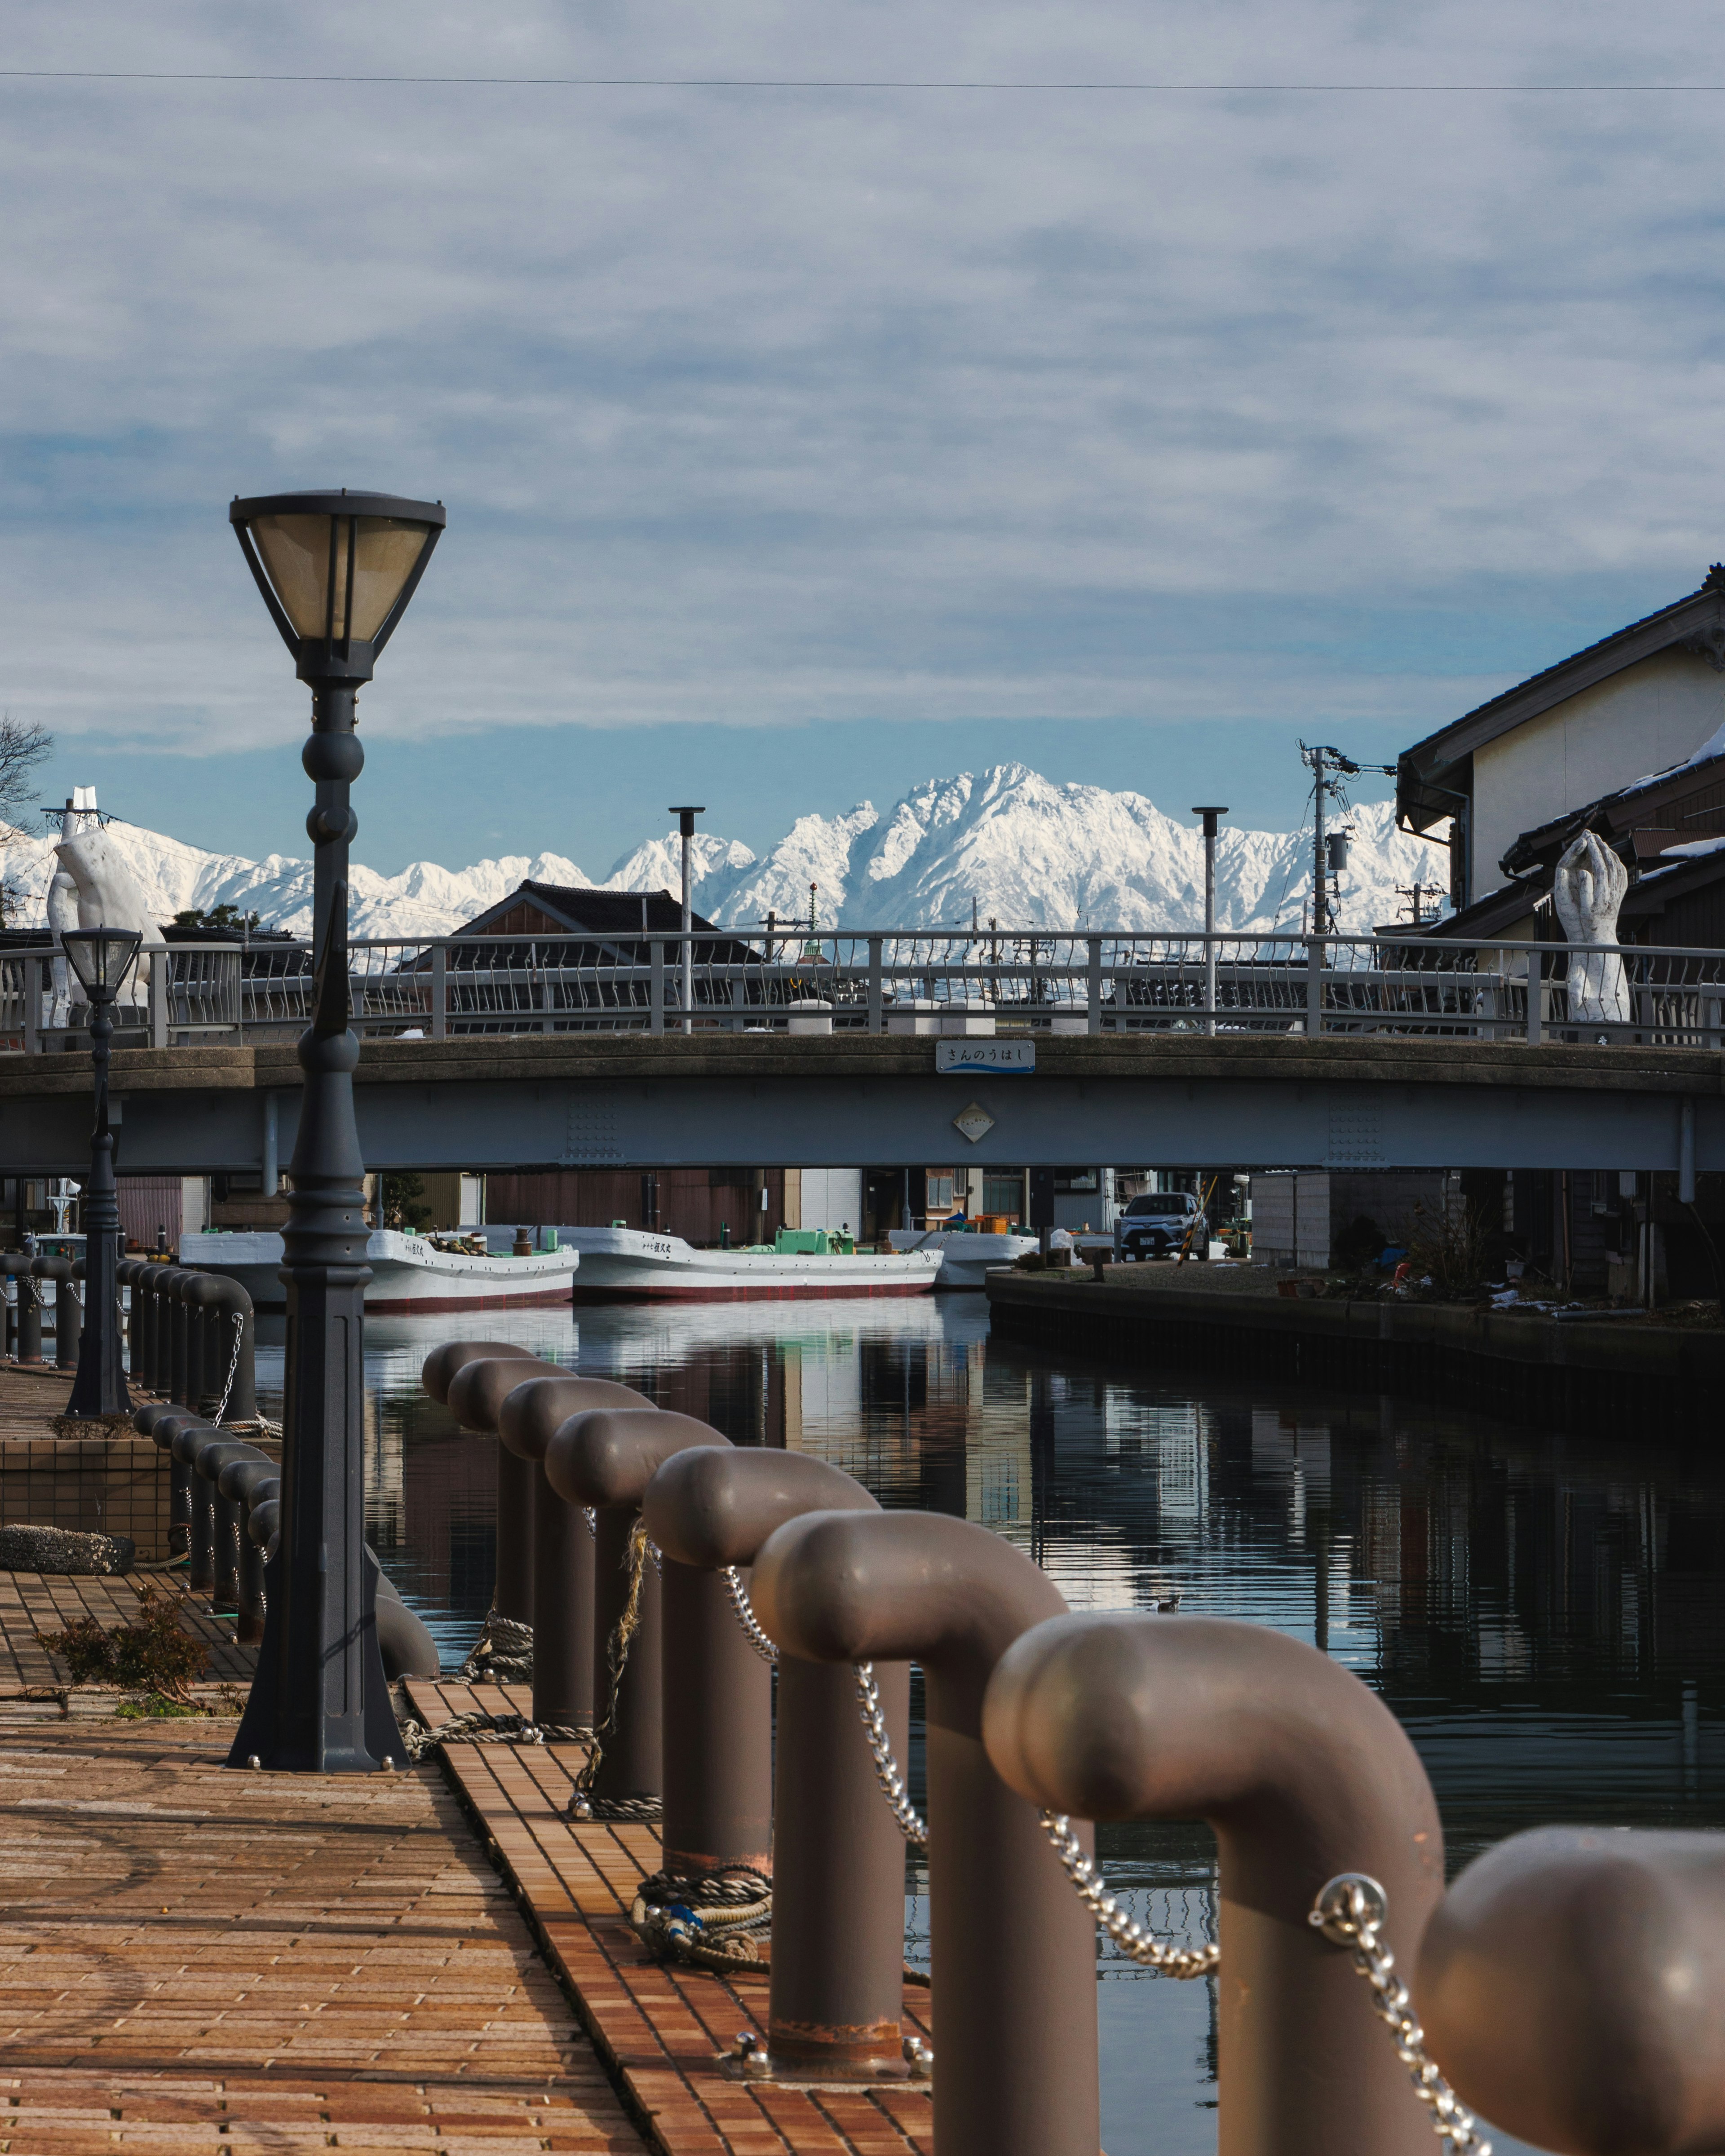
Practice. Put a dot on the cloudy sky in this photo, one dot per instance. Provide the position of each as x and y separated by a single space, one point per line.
799 443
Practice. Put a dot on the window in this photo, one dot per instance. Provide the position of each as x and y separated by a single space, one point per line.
1003 1193
940 1190
1079 1181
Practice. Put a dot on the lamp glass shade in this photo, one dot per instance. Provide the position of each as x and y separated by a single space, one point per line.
295 552
101 957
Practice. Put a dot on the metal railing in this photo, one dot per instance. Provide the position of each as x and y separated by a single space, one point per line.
998 983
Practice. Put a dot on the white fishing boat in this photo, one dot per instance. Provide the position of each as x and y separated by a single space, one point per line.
409 1272
965 1255
638 1264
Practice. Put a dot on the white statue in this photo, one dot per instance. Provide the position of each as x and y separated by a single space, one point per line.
79 815
1588 888
110 896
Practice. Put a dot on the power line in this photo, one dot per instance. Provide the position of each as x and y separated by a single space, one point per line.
753 82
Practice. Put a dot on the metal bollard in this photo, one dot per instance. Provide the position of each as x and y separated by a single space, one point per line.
606 1459
838 1856
247 1481
181 1435
153 1421
186 1441
231 1324
65 1304
227 1514
179 1381
475 1392
562 1545
1013 1948
29 1311
10 1262
1303 1774
1572 1984
162 1376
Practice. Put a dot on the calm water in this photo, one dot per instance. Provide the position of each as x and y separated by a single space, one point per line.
1543 1613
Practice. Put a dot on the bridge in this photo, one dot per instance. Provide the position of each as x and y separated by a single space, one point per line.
841 1049
598 1100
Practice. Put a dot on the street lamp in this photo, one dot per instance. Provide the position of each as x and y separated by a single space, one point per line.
1211 818
336 571
685 823
102 958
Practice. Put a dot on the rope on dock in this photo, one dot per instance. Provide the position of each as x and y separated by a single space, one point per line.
502 1653
478 1727
706 1922
583 1805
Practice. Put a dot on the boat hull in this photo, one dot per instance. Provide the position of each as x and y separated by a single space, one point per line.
966 1260
633 1264
409 1276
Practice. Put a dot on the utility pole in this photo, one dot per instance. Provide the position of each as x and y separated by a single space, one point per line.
685 825
1319 887
1210 817
1414 893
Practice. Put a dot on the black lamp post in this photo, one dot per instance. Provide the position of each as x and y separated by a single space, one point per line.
102 958
336 571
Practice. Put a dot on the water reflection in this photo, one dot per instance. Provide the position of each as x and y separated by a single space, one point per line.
1541 1613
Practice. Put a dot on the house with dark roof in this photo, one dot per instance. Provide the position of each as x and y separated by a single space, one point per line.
1627 713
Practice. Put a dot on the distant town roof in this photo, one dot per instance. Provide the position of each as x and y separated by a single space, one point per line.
568 908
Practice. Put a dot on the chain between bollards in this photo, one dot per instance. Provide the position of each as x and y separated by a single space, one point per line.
912 1824
1150 1952
746 1615
233 1368
1350 1913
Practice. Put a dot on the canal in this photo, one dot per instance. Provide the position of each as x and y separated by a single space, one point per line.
1543 1613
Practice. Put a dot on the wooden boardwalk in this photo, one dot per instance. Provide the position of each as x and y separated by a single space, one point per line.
661 2028
198 1961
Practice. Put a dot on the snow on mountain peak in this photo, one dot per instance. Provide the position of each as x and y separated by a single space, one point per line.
1005 843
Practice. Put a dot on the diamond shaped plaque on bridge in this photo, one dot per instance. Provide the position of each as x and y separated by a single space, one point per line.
975 1121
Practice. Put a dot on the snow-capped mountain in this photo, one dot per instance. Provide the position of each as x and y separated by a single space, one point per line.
1005 844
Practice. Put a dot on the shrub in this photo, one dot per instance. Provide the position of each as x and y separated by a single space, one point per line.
1457 1246
152 1656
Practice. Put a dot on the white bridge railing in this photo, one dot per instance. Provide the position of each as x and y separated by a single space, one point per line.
916 981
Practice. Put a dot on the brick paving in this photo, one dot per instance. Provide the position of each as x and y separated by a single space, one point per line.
334 1965
661 2028
32 1601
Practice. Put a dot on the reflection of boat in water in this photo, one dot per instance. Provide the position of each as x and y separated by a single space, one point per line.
408 1273
632 1264
965 1256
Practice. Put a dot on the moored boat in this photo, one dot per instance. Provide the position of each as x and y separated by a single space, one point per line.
409 1272
638 1264
965 1255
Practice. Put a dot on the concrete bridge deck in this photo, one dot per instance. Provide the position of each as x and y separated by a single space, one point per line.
714 1100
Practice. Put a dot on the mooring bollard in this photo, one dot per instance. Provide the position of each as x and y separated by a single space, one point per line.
1572 1984
10 1260
1014 1950
59 1271
181 1352
227 1513
181 1435
152 1421
1302 1773
837 1973
70 1315
528 1419
606 1458
161 1329
474 1392
29 1311
250 1480
220 1310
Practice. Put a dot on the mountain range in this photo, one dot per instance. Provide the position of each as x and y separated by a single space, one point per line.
1004 844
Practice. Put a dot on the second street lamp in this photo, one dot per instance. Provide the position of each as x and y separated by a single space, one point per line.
1212 816
102 958
336 571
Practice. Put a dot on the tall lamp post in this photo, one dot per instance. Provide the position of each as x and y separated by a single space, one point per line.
1211 818
685 825
102 958
336 571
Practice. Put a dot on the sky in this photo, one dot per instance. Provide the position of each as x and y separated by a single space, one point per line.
798 444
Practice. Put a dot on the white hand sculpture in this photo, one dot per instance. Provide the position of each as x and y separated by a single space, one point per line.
1588 888
62 915
109 895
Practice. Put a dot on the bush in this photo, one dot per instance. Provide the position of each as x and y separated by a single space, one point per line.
1359 1244
1458 1247
152 1656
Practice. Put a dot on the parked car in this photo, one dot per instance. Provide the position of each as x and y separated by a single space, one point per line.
1156 1223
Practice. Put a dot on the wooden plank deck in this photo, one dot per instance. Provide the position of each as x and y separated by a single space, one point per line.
32 1601
661 2028
202 1962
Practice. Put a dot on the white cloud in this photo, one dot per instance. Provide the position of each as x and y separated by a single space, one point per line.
758 406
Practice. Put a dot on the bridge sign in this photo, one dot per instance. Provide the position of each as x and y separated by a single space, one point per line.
982 1058
973 1123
